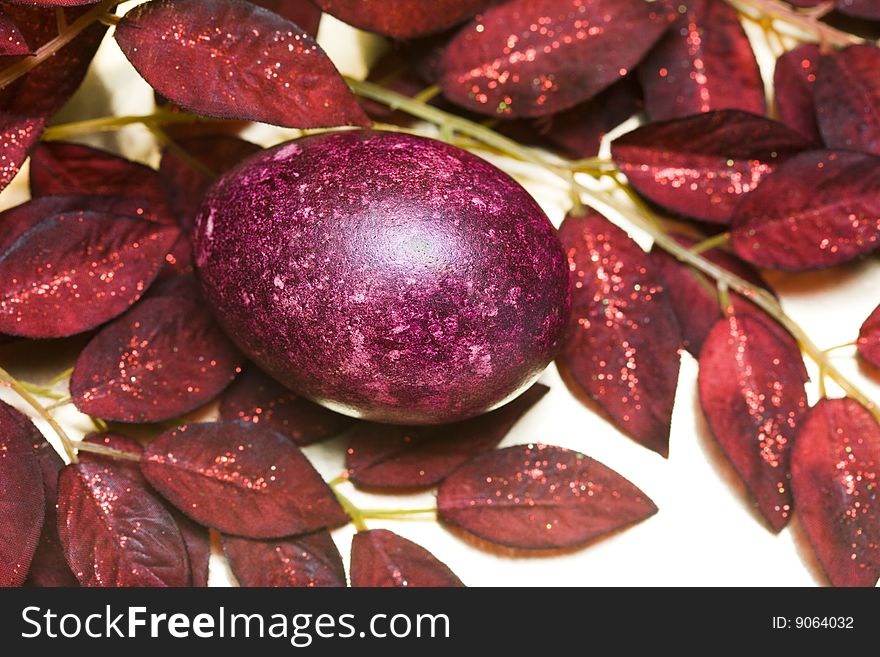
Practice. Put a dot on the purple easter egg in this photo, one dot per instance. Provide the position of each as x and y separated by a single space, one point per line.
386 276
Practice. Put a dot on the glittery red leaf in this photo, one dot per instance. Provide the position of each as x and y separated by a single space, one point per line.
403 19
22 499
12 41
256 397
705 62
540 497
75 271
303 13
198 547
47 87
818 209
64 168
695 297
869 338
18 136
115 532
382 558
163 358
310 560
241 479
793 82
702 166
232 59
847 96
835 472
119 442
184 184
752 393
49 567
869 9
622 347
538 57
392 456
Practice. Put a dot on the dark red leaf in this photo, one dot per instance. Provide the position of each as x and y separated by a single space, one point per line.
835 475
705 62
17 220
702 166
256 397
847 96
64 168
393 456
540 497
22 498
46 88
303 13
184 184
869 338
119 442
12 41
793 82
115 532
310 560
75 271
49 567
241 479
198 547
232 59
622 347
695 297
538 57
752 393
163 358
869 9
818 209
18 136
403 19
382 558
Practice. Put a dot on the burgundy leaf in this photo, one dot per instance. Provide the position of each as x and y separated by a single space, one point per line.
75 271
818 209
309 560
793 82
241 479
847 96
46 88
119 442
303 13
232 59
705 62
702 166
256 397
22 498
115 532
752 392
622 347
695 297
49 567
869 9
64 168
18 136
12 41
382 558
163 358
835 475
198 547
540 497
184 184
869 338
538 57
403 19
392 456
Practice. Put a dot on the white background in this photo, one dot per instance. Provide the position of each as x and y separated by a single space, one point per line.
706 532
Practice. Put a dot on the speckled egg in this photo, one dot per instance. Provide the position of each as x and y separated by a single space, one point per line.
386 276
